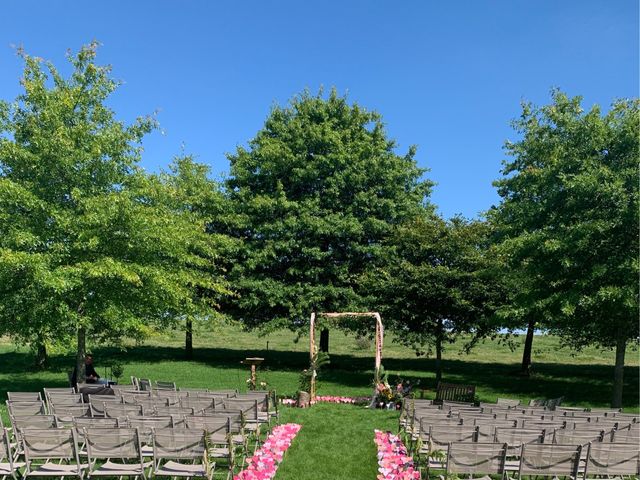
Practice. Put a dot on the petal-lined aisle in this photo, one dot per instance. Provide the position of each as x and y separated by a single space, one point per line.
332 445
264 462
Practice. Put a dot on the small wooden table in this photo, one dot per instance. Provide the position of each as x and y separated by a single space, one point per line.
253 362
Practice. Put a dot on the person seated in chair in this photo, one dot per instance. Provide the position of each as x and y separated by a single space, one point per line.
90 374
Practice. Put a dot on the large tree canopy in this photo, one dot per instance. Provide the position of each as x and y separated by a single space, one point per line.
438 283
89 245
316 192
569 221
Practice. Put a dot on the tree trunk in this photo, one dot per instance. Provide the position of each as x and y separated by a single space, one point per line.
324 340
188 340
618 373
439 353
42 359
81 355
525 369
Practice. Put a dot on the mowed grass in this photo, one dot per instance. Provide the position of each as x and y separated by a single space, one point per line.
336 441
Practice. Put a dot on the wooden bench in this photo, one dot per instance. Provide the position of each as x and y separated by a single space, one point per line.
455 392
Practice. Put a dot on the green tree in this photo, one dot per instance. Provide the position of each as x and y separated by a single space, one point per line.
569 221
190 189
315 194
439 283
89 247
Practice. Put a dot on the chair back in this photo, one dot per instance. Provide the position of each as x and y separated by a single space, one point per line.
613 459
576 437
34 421
549 459
476 458
515 437
249 408
122 410
208 423
24 396
166 386
144 384
179 443
21 409
146 426
123 443
50 443
441 436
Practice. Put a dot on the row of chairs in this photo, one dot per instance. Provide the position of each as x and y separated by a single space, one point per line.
431 429
555 460
234 422
111 452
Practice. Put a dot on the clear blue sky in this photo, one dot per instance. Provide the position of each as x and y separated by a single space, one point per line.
447 76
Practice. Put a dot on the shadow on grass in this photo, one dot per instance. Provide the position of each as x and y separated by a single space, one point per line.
577 383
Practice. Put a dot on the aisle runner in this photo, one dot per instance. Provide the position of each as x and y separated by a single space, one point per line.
264 462
393 460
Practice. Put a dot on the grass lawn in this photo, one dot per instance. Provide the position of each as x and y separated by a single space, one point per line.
336 441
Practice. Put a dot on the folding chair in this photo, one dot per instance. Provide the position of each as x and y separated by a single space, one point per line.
149 403
626 435
206 405
24 396
96 403
130 396
612 459
487 428
106 444
175 410
476 459
8 467
173 448
144 384
516 437
21 409
122 410
577 437
228 393
238 436
191 391
146 426
66 413
508 402
219 436
49 391
43 446
436 449
250 415
168 397
171 386
549 459
217 428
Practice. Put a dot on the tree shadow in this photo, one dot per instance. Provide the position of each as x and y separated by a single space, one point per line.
588 383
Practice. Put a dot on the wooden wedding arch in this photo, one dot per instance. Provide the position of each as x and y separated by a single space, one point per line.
312 340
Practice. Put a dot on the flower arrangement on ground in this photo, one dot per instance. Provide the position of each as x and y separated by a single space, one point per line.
393 460
386 396
264 462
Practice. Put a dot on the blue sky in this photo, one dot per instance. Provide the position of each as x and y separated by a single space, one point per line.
447 76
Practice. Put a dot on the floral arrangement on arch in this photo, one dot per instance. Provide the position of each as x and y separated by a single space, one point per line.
394 463
264 462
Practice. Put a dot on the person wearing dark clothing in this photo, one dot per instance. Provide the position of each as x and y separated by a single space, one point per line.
91 376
